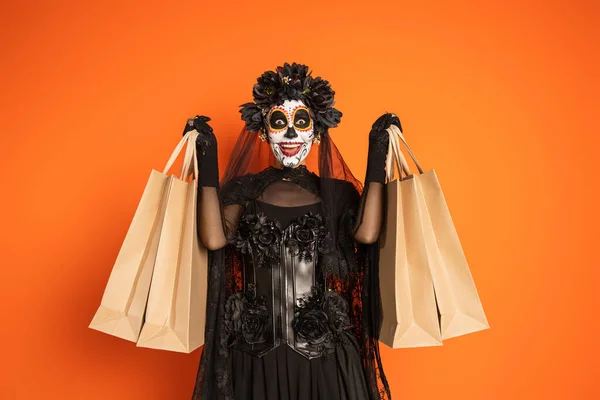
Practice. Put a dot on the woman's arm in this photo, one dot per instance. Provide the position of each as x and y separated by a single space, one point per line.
370 211
215 223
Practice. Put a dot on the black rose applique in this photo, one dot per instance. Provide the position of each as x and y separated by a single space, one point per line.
234 308
308 231
246 316
312 327
259 236
336 308
320 318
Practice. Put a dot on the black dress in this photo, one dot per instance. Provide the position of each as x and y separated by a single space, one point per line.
292 302
264 370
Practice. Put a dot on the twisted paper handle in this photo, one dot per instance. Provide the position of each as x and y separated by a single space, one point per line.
395 159
190 157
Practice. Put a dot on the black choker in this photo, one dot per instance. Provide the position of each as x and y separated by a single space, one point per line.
289 172
299 175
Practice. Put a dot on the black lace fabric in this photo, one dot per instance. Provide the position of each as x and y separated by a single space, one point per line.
345 308
246 316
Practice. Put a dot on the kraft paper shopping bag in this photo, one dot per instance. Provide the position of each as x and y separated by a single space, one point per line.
175 315
123 303
457 297
410 317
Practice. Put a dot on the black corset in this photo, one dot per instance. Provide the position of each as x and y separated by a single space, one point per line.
285 298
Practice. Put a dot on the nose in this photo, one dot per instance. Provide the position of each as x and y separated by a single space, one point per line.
291 133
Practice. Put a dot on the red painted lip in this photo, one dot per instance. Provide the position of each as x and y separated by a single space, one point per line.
290 152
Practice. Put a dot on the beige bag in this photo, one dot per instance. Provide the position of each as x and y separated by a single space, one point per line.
122 307
175 315
410 317
457 298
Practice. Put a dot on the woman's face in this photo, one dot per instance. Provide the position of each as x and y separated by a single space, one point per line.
290 131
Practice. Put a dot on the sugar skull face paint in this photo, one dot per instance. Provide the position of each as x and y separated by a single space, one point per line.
290 131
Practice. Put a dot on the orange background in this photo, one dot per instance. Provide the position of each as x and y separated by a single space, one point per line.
501 99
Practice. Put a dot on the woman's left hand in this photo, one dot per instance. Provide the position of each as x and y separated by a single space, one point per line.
380 126
379 137
378 147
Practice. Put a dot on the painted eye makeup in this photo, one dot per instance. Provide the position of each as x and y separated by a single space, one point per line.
278 120
301 119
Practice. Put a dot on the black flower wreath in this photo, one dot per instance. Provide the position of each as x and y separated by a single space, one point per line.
291 82
309 231
246 316
259 236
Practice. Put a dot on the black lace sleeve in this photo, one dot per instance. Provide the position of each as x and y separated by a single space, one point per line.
216 222
369 216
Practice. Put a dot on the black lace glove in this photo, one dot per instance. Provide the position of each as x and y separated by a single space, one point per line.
206 148
378 147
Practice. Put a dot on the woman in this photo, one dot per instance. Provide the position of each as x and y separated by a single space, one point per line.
293 307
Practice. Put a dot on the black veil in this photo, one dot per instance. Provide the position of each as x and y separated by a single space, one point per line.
353 271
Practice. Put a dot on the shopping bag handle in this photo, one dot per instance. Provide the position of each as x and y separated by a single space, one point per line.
190 160
395 159
190 139
398 132
176 152
395 154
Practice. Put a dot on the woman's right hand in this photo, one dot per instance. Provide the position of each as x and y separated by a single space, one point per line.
199 123
206 136
206 148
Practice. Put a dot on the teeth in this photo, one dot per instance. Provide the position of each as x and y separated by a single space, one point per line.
289 146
